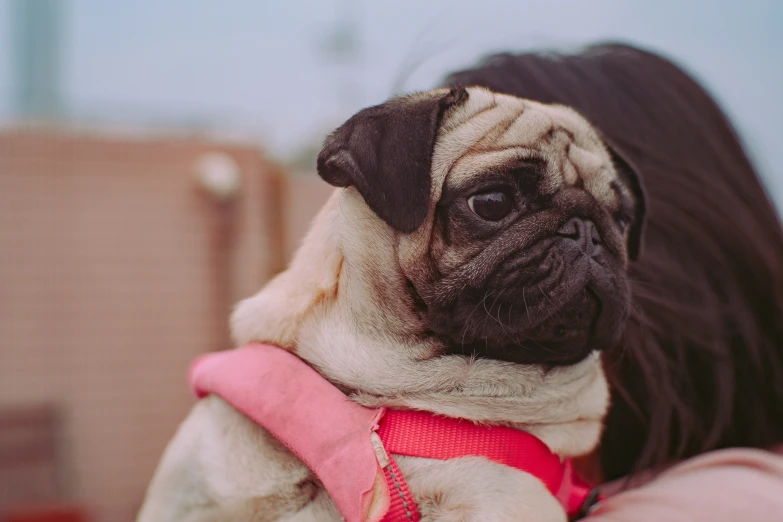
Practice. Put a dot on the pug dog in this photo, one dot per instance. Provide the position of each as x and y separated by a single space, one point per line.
472 263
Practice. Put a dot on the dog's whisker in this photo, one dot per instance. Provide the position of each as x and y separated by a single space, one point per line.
488 311
467 321
527 308
548 298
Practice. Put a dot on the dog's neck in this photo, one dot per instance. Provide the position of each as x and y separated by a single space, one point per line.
564 407
356 330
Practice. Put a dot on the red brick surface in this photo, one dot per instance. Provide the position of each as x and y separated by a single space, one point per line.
115 271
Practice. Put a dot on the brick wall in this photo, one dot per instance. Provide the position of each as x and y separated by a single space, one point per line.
115 271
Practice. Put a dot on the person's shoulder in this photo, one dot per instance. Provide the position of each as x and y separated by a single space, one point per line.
729 484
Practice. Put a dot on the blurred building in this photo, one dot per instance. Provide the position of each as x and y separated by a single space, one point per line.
121 258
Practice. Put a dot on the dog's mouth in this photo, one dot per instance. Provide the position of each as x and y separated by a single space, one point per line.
553 318
565 337
568 331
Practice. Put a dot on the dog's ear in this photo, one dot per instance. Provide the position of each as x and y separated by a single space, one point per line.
629 175
386 153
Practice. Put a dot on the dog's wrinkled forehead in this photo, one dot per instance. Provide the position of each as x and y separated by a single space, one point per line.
490 130
397 156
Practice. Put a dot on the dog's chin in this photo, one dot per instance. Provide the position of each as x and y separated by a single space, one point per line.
566 337
560 320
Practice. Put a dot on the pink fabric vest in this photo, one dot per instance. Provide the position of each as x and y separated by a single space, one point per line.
350 448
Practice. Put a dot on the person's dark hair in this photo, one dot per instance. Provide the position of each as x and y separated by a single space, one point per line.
701 363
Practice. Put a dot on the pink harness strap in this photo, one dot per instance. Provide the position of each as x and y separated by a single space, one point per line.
336 437
423 434
309 415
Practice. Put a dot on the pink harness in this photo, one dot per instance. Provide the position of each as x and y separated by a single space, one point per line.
349 447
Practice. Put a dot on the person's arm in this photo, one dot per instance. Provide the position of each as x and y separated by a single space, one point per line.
737 485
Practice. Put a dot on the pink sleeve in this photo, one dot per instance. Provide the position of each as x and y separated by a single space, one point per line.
743 485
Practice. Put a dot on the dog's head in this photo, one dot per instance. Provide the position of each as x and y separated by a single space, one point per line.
472 263
514 220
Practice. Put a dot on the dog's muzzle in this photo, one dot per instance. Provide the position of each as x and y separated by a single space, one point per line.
553 303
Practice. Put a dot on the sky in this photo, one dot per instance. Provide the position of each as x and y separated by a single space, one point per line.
259 66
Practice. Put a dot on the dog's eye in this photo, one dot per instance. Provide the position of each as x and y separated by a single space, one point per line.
492 206
621 221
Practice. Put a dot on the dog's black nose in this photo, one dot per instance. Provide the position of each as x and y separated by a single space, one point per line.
583 232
